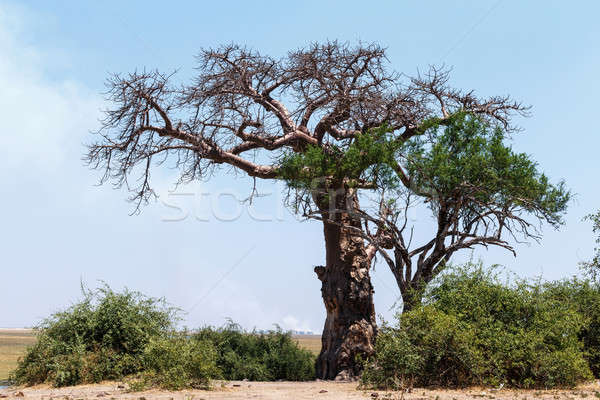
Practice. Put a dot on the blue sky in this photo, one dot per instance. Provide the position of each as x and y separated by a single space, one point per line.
58 228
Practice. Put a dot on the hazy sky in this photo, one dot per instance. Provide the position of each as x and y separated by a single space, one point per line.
223 260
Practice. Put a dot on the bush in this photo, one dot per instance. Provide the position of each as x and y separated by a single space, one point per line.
258 357
112 336
103 337
430 348
475 330
176 363
584 296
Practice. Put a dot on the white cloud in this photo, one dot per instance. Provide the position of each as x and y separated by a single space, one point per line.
42 118
292 323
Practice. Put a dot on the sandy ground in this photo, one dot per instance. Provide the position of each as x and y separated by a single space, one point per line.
292 391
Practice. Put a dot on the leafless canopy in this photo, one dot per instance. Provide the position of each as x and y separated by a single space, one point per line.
244 109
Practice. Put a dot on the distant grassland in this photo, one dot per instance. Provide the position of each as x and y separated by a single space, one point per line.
309 342
13 343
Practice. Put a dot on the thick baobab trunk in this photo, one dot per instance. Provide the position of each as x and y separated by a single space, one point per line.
350 327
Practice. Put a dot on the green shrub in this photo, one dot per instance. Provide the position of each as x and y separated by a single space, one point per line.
398 362
177 362
584 296
474 329
430 348
259 357
102 337
113 336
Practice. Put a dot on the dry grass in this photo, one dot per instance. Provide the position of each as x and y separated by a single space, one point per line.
13 343
309 342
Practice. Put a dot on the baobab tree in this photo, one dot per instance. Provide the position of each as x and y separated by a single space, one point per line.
253 112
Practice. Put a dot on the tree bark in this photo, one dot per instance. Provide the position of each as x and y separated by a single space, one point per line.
350 327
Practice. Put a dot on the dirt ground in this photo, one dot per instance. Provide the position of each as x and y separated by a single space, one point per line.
292 391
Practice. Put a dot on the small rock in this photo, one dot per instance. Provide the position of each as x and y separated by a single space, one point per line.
343 376
322 391
3 396
19 394
141 398
374 395
121 387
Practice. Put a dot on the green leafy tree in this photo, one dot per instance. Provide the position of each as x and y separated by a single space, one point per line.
477 189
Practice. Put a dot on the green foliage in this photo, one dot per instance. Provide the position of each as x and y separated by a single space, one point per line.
261 357
113 336
430 348
467 157
368 157
592 267
476 330
584 296
461 156
102 337
176 363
